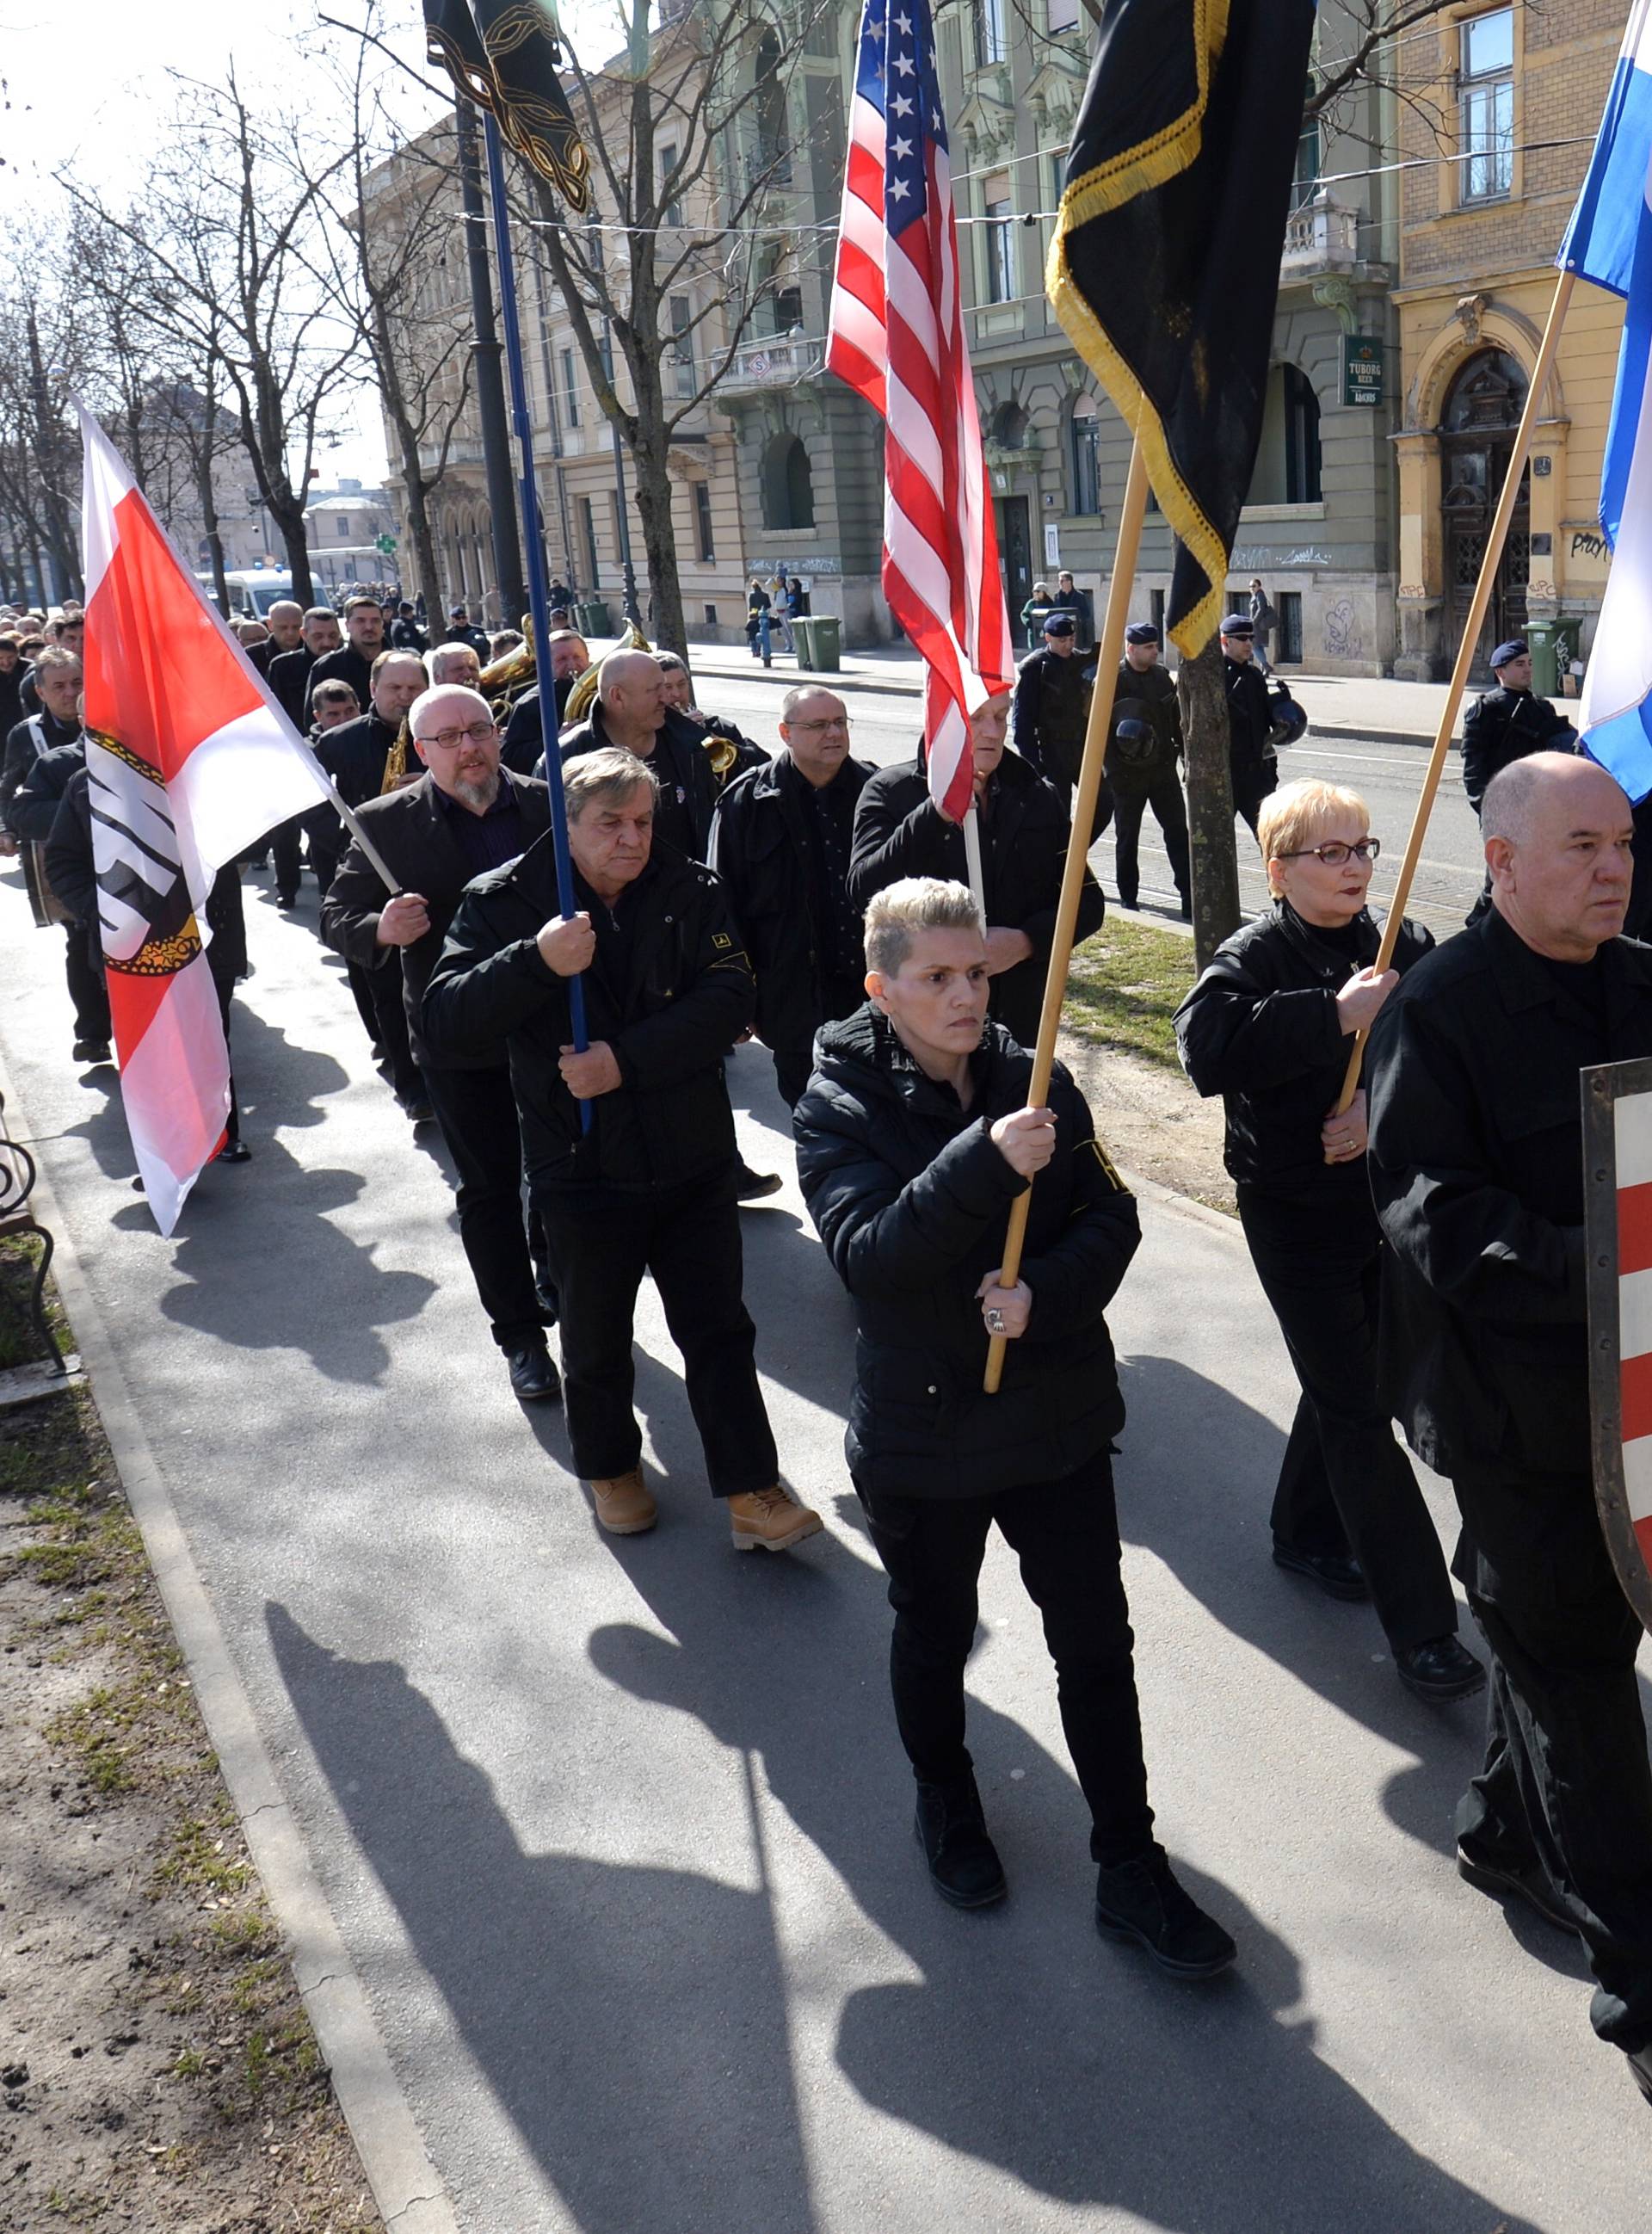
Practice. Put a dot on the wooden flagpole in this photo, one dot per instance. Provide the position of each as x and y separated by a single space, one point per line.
1108 655
1495 543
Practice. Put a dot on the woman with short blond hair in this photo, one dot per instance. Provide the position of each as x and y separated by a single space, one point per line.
1269 1027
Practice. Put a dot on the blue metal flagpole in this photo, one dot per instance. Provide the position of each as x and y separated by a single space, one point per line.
533 550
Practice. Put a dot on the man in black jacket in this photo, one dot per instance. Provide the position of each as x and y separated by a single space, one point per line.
1505 724
1253 765
651 1186
289 676
899 832
1144 745
1050 710
31 816
58 679
914 1138
353 662
570 657
780 843
630 713
1476 1162
465 815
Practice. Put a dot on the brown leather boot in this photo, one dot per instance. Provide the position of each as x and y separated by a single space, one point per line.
772 1517
624 1505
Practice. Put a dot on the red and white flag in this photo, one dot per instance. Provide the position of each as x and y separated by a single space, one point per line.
896 336
190 761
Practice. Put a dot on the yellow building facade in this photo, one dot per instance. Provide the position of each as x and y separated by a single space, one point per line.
1499 108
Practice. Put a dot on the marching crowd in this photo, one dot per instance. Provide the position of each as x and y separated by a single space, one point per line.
1422 1249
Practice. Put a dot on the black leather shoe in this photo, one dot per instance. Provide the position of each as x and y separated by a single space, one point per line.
533 1377
1440 1669
1339 1574
91 1051
1523 1881
756 1186
417 1110
1641 2069
235 1152
965 1868
1140 1900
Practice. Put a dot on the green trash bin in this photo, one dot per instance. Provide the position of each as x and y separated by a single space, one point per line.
1569 644
826 632
1542 637
803 637
594 617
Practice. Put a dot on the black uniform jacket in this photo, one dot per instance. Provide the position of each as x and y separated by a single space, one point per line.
1260 1029
679 758
32 810
683 995
1250 717
413 832
355 753
911 1200
1476 1165
760 848
25 741
1503 726
344 665
1148 697
1050 711
288 678
899 832
71 870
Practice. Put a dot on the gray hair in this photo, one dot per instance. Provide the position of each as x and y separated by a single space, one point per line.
895 915
52 656
606 777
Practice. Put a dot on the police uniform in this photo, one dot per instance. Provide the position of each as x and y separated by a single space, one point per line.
1050 712
1142 770
1252 767
1476 1165
1504 725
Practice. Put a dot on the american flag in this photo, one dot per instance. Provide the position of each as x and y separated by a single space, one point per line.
896 336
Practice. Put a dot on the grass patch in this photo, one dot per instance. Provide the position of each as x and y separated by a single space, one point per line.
19 1341
1124 986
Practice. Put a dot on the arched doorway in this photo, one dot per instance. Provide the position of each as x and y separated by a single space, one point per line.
1477 429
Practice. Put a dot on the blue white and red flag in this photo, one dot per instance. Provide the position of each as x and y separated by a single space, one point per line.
896 336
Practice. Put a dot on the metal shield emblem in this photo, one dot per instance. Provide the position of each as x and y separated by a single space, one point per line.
1617 1196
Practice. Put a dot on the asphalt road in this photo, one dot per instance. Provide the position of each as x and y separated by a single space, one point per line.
1389 777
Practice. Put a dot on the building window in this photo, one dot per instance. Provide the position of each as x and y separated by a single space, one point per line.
588 538
1302 437
570 389
1063 16
1290 626
1486 94
684 376
1001 244
1305 183
671 212
343 527
788 484
704 542
1156 611
992 32
1087 457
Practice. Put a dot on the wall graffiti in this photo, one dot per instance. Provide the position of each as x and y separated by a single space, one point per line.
1343 640
1586 543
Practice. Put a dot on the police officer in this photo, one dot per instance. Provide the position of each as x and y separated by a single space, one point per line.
1144 744
780 843
1050 708
1476 1161
1253 767
1505 724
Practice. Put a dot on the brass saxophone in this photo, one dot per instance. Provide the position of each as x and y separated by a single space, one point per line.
396 761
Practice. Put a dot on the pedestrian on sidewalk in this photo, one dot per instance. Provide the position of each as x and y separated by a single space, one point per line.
1264 621
914 1138
651 1187
757 622
1268 1027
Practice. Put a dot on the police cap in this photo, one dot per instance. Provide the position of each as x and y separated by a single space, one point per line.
1141 632
1514 648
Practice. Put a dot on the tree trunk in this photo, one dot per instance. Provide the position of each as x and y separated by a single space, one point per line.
1201 688
659 548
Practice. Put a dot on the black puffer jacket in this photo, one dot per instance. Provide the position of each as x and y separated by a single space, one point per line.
679 759
1260 1029
686 996
911 1200
899 832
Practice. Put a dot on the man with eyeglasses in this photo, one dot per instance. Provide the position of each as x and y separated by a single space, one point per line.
780 843
464 814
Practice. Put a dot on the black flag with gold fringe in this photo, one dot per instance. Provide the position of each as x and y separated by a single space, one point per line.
1164 266
503 54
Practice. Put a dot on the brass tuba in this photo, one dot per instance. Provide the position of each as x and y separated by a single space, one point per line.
510 676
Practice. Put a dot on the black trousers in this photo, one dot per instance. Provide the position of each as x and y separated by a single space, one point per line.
601 1241
1250 787
1066 1536
389 1027
87 991
1566 1781
287 851
1163 793
1104 803
792 1068
477 1113
1345 1482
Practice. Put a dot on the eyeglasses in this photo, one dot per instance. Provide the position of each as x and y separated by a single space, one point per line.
448 741
832 721
1335 853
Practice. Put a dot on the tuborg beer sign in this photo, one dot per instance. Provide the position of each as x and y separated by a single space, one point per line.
1362 368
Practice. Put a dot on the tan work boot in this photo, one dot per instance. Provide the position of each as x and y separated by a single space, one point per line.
772 1517
623 1506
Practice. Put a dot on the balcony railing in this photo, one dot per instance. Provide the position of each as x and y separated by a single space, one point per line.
1322 236
776 362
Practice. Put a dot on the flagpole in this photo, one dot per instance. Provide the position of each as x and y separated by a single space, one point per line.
972 856
1495 540
1108 656
533 549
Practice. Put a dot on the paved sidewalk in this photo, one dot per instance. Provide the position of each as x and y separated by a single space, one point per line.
616 1835
1373 708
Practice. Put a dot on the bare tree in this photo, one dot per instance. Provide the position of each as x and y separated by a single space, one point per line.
225 223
